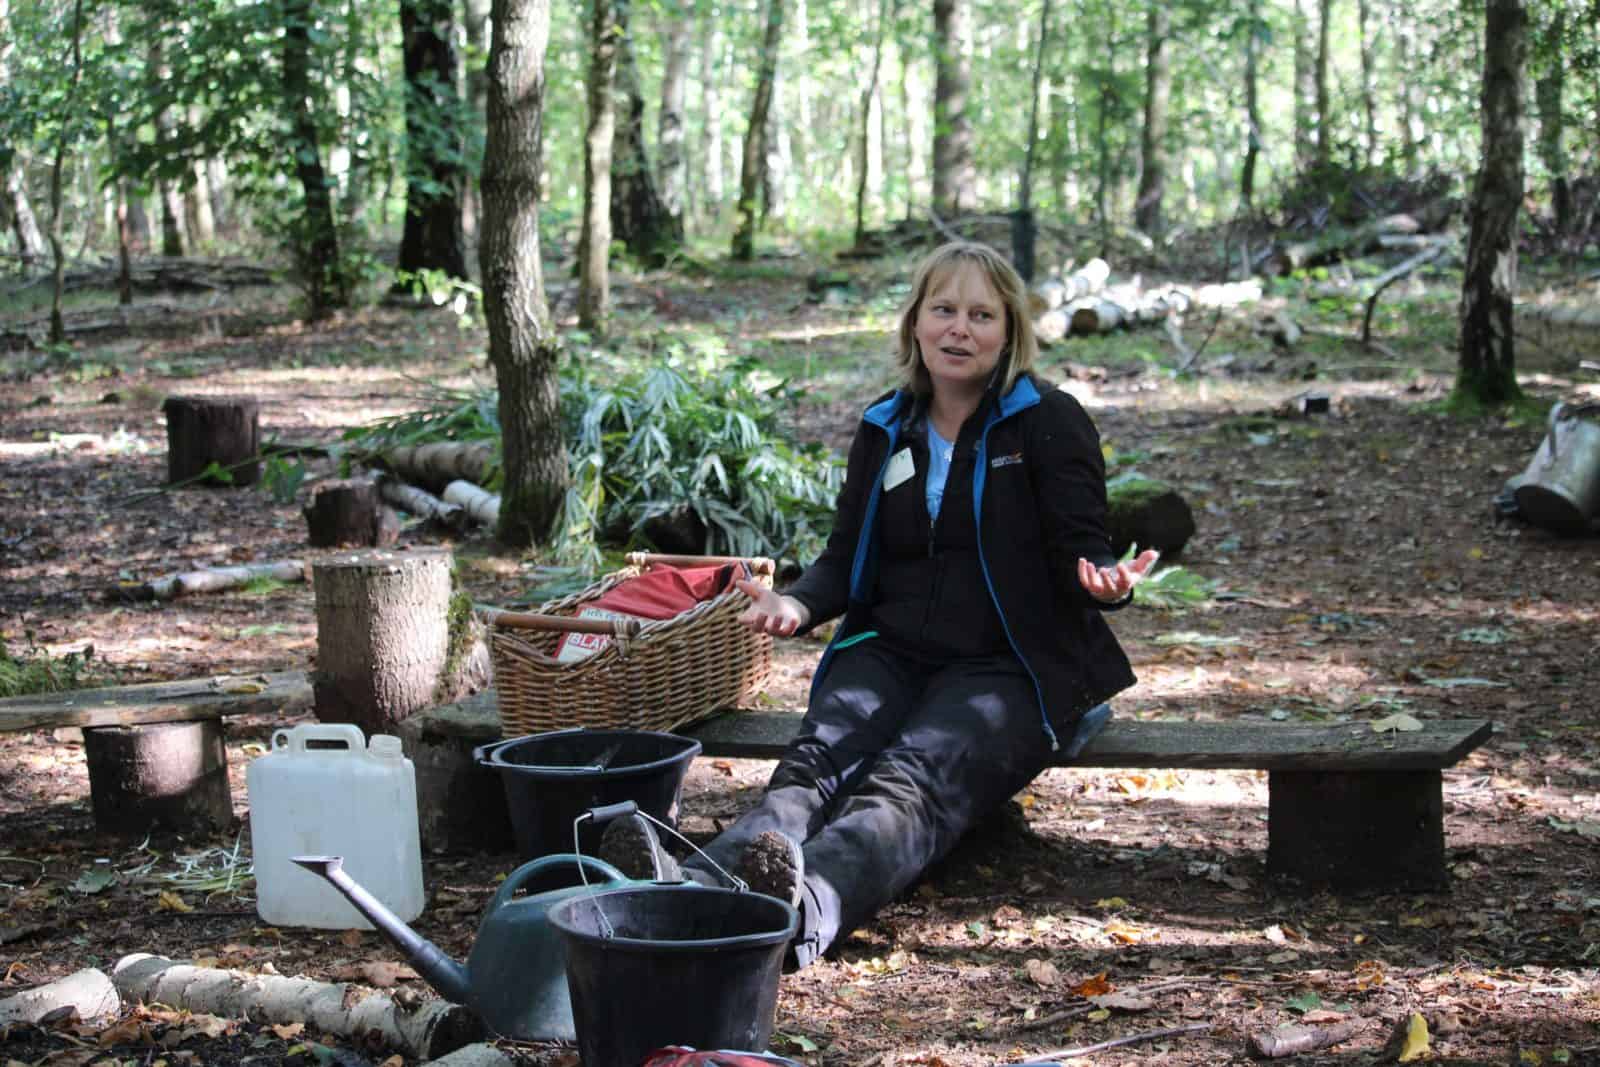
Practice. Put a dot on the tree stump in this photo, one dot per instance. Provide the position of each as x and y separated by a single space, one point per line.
160 776
350 512
202 430
383 635
1147 513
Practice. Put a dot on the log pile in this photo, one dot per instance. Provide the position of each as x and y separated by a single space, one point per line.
1080 302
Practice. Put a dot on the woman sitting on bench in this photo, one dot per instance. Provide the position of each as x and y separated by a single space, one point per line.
970 561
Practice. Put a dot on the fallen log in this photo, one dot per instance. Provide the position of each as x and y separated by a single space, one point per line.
281 693
1392 275
436 465
421 503
474 1056
210 580
1293 1040
1338 243
432 1029
89 993
1577 316
480 505
1064 287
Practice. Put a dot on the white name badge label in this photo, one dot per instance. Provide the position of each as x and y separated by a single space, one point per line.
899 469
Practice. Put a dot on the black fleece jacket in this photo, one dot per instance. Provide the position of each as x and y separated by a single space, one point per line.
1038 489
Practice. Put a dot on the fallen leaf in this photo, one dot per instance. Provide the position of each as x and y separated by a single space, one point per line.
1042 973
288 1030
385 973
1094 986
170 901
1399 721
1414 1046
1126 933
1098 1015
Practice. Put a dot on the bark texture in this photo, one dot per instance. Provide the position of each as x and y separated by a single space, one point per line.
89 993
202 430
1487 371
1305 88
670 121
955 176
349 512
522 343
383 635
435 168
755 137
1153 143
638 217
594 241
1548 93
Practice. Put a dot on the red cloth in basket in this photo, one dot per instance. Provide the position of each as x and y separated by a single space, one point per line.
660 593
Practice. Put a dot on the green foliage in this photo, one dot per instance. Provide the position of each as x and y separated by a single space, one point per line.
1172 588
282 478
439 289
35 670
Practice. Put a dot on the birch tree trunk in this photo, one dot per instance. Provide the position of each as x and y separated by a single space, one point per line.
1252 109
638 217
955 177
1487 372
24 225
1548 92
522 342
754 159
1153 145
711 107
1369 101
58 326
594 242
670 123
475 28
1405 44
432 239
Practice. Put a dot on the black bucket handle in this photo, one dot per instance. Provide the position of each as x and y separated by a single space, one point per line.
606 813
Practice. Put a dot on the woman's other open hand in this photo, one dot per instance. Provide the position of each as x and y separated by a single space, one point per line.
770 612
1110 584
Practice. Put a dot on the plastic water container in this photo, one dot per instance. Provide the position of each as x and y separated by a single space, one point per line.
322 790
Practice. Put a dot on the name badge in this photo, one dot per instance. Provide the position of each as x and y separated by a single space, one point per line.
899 469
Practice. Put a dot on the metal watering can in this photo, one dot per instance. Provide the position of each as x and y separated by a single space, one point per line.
1560 489
515 977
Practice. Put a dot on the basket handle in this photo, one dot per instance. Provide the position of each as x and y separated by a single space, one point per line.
757 564
532 620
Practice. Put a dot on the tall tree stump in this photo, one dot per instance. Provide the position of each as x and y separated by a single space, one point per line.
202 430
383 635
350 511
160 776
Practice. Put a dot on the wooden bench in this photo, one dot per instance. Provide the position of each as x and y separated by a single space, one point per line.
1347 807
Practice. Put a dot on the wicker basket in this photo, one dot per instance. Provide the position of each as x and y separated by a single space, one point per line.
654 675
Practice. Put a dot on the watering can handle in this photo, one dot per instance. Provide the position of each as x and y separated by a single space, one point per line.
528 871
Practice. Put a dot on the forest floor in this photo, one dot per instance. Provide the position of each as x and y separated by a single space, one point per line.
1359 571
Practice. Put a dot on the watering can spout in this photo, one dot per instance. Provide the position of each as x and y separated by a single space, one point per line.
438 970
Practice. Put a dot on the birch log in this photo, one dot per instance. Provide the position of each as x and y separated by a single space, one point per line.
88 992
1579 316
475 1056
432 1029
421 503
212 580
442 462
482 506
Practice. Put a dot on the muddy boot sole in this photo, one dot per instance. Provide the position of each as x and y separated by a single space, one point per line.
630 844
774 865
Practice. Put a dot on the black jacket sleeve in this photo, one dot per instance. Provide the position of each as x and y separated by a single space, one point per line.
1069 478
824 588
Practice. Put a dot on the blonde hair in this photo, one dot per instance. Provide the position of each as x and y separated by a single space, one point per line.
1021 349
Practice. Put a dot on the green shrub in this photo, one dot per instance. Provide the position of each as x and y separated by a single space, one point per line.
34 670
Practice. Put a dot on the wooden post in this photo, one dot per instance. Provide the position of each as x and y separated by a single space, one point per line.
383 635
161 776
1357 830
349 512
202 430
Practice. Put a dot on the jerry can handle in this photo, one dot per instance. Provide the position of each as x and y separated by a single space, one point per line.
296 737
528 871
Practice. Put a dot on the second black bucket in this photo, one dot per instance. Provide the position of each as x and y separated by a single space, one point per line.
657 965
550 779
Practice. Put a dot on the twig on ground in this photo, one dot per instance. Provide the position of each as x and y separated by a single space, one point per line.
1131 1039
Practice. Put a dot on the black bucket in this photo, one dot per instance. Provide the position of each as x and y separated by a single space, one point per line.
551 779
682 965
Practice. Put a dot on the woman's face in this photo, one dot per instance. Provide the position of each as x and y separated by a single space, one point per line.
961 330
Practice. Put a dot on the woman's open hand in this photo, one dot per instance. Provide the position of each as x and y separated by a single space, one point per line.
1110 584
770 612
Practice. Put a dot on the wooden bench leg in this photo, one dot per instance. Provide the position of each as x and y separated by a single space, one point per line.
1357 830
160 776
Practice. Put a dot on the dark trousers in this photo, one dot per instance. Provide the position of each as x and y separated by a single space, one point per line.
897 757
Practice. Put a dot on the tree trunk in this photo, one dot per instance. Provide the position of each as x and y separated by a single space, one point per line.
869 91
711 106
1548 92
1369 95
1405 44
1153 144
1102 135
58 326
432 239
638 217
349 512
124 242
200 224
89 993
25 226
1252 109
670 124
383 635
1022 222
167 190
1487 370
475 26
522 342
207 430
755 149
955 177
169 776
317 244
1305 89
776 166
1324 57
594 241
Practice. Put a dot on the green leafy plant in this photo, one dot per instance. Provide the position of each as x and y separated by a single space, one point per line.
282 478
35 670
1172 588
